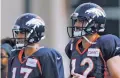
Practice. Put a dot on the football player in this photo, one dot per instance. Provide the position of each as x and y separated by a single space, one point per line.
92 55
33 60
6 46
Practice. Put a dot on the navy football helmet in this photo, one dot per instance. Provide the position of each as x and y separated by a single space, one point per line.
93 14
32 26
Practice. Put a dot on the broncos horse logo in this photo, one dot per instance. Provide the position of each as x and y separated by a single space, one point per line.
96 11
35 21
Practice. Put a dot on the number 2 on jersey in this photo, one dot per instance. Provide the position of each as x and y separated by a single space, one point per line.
83 62
27 71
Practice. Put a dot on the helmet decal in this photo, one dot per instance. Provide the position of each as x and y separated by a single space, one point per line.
36 22
97 12
74 15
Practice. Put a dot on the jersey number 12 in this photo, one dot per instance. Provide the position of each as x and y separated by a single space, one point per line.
83 62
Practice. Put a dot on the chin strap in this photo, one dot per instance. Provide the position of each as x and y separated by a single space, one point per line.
89 40
30 46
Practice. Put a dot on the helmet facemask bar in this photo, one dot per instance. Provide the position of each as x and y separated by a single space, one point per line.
20 42
78 31
71 29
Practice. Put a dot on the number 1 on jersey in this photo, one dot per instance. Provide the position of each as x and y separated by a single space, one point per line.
14 72
27 71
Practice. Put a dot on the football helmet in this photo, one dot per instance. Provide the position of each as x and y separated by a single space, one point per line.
32 26
93 14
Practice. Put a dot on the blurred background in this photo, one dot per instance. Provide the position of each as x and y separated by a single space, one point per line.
56 14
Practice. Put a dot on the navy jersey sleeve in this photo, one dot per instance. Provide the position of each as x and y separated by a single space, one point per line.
70 47
67 50
14 53
52 65
110 46
10 61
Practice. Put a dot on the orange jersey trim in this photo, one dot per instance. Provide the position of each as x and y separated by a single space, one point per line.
20 57
88 45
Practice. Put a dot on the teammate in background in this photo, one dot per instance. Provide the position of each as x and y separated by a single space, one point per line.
33 60
91 54
6 47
